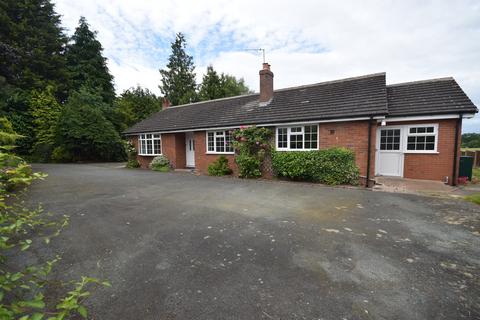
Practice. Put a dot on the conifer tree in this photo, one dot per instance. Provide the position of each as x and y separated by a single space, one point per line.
86 64
178 83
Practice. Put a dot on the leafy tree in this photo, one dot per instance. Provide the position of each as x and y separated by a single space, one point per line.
45 111
471 140
233 86
178 79
216 86
86 64
84 133
136 104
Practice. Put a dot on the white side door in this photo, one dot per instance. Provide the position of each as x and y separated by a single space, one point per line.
190 149
390 156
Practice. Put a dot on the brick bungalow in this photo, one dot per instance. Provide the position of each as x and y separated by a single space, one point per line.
410 130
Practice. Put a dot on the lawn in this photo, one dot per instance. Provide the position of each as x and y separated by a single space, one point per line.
476 173
475 198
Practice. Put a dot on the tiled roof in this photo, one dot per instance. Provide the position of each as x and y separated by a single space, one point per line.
347 98
428 97
352 97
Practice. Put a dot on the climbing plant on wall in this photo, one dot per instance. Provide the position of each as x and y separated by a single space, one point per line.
251 145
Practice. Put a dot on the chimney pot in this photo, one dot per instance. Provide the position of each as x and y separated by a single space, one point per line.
266 83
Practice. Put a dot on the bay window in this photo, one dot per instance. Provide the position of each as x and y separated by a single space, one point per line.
219 141
149 144
297 138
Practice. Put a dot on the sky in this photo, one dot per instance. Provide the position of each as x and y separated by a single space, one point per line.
305 41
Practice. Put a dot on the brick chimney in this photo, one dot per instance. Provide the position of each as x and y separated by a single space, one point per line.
165 103
266 83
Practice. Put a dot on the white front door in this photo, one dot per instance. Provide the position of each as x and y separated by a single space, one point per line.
190 149
389 160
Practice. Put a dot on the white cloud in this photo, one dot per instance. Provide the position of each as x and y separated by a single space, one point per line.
306 41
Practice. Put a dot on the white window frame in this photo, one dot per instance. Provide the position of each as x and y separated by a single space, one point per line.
142 140
215 135
402 139
408 134
289 133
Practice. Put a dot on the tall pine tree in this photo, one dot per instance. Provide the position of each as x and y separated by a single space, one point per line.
178 79
32 44
86 64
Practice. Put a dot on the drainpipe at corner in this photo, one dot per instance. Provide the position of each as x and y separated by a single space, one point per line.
455 151
369 150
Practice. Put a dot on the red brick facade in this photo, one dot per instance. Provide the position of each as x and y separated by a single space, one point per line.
352 135
434 166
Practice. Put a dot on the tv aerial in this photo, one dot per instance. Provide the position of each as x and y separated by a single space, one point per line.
258 50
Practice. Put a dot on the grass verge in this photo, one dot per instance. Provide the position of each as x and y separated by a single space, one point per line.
475 198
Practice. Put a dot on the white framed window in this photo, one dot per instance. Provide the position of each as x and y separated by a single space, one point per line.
390 139
219 141
149 144
421 138
299 138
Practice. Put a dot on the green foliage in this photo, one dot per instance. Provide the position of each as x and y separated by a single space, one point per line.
131 151
216 86
475 198
471 140
86 65
136 104
219 167
22 287
330 166
45 111
84 133
160 163
178 78
251 145
32 43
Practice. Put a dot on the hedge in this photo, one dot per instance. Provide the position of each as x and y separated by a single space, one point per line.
330 166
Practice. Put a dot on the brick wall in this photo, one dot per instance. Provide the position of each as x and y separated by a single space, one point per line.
173 147
352 135
433 166
202 160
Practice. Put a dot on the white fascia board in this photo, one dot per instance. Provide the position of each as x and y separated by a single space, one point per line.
258 125
419 118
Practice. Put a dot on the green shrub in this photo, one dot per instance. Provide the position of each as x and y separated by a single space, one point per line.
248 166
61 154
131 152
330 166
219 167
160 163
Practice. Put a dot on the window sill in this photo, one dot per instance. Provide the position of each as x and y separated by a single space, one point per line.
149 155
422 152
293 150
212 152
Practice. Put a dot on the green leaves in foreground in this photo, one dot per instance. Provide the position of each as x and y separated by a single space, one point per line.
22 284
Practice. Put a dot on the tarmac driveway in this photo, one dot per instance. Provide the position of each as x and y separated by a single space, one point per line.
179 246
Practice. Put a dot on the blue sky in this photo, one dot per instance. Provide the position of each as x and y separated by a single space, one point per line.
305 41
